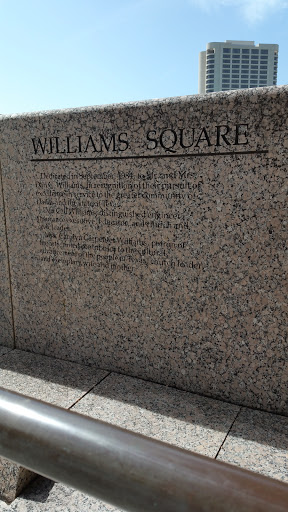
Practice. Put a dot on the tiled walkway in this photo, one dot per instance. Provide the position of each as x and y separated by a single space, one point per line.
252 439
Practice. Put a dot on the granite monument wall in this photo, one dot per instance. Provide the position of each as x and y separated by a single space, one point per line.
149 238
6 316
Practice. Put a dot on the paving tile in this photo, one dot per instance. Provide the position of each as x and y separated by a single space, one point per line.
173 416
45 378
258 441
58 382
43 495
170 415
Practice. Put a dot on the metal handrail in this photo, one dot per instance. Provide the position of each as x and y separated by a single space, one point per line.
128 470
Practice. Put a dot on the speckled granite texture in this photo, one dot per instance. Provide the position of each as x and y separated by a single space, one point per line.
13 479
258 441
149 239
6 320
4 350
54 381
43 495
58 382
177 417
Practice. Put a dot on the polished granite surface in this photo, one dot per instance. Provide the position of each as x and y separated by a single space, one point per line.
4 350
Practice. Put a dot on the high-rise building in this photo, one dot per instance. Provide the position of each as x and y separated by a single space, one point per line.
237 65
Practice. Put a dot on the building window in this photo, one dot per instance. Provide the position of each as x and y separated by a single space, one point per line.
235 76
264 52
254 82
236 50
235 66
226 66
226 61
254 67
226 50
255 51
263 67
244 82
245 50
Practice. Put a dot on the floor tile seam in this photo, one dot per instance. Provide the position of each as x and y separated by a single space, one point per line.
89 391
202 395
228 433
113 372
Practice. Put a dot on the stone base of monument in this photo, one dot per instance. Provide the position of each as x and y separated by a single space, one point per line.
13 479
252 439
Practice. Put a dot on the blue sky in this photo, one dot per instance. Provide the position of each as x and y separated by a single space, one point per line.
62 54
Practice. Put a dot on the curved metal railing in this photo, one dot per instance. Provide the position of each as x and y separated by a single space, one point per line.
128 470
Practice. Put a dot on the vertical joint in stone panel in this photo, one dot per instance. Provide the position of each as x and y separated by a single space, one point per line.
8 259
